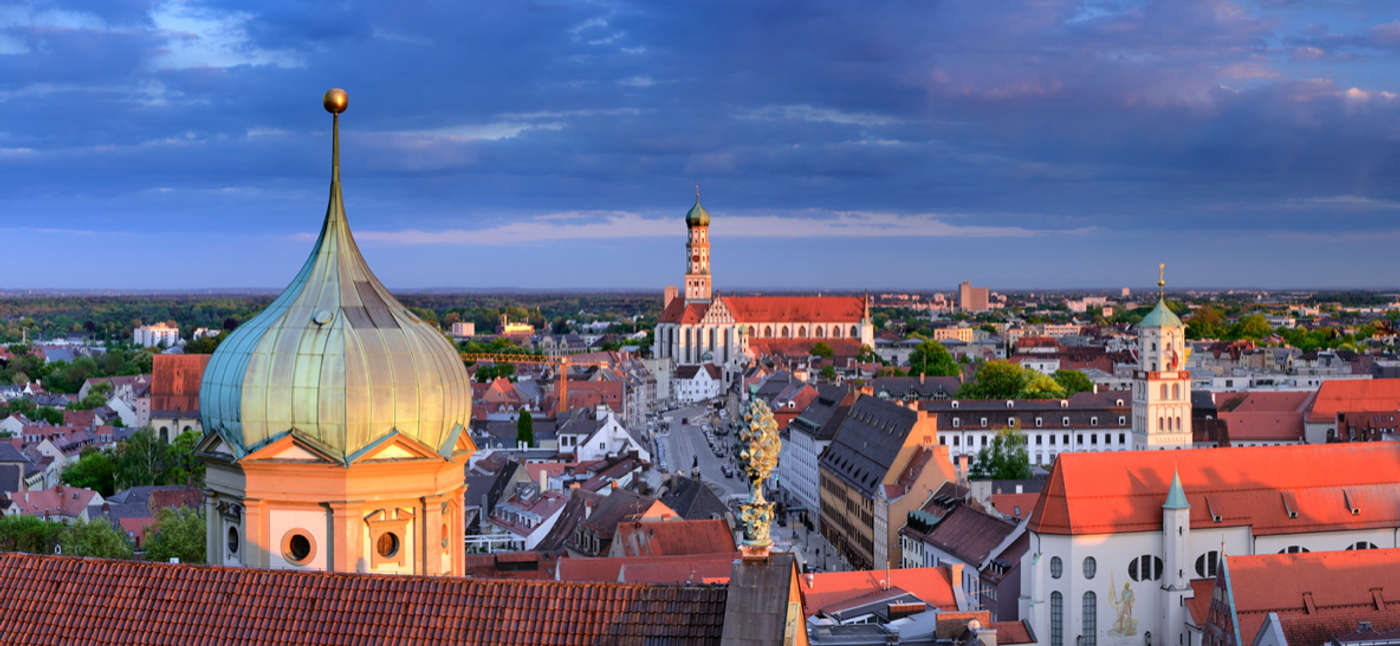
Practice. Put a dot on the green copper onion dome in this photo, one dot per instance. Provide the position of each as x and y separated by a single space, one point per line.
336 359
697 216
1160 316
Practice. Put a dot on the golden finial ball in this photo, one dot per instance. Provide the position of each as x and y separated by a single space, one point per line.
335 100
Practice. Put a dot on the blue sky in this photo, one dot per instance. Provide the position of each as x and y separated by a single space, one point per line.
839 145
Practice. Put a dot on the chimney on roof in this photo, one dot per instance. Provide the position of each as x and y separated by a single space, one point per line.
1096 389
544 480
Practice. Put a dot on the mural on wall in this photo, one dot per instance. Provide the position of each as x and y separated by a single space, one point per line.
1122 601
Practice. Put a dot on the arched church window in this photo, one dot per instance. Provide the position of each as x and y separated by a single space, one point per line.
688 337
801 331
1145 568
819 331
1090 624
233 540
1206 564
785 332
836 332
767 331
855 331
712 337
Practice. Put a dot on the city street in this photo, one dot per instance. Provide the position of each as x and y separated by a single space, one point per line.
684 442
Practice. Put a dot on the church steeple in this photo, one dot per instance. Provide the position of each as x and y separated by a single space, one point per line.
697 252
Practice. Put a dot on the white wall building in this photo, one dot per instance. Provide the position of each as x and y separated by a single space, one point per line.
1117 539
692 384
1162 384
160 334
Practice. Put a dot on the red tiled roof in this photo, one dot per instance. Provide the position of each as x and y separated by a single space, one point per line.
175 381
679 312
669 538
1010 503
802 348
694 568
796 309
59 501
1096 493
1340 396
1198 606
58 599
931 584
1012 632
1263 426
80 418
1253 402
1342 586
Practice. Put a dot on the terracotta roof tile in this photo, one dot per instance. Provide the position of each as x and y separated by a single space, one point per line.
1340 396
1275 489
796 309
175 380
1340 584
931 584
674 537
56 599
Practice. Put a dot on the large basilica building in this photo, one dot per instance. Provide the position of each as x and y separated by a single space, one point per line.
699 326
335 424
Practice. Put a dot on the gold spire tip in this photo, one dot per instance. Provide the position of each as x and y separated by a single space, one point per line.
335 100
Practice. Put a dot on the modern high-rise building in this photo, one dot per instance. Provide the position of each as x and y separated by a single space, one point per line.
973 299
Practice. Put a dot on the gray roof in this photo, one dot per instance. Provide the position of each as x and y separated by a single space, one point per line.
756 611
693 500
928 387
8 453
813 420
867 442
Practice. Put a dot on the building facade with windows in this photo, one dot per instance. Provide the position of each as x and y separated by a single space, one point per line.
883 462
1118 539
1088 421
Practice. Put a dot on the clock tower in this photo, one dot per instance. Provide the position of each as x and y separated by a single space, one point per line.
1161 383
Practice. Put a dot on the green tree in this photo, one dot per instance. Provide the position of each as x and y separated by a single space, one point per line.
821 349
183 466
1039 386
95 538
1207 322
995 380
20 533
94 469
932 359
525 428
1254 326
829 372
1073 381
866 354
48 414
1005 458
179 533
141 459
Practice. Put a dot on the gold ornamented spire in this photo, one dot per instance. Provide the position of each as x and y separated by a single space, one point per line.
759 441
1162 281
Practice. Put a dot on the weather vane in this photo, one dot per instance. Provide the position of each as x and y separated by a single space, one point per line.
759 441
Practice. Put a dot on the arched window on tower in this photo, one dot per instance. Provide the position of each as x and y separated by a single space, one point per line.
1178 423
1164 391
1176 391
1161 424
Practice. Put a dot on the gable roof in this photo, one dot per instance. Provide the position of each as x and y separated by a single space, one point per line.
869 439
1323 596
673 537
66 599
175 380
1340 396
1273 489
824 589
962 531
692 500
797 309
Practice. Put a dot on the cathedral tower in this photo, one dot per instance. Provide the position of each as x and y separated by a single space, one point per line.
1161 384
697 253
335 423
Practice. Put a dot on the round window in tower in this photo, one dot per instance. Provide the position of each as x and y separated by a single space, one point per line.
387 545
233 540
297 547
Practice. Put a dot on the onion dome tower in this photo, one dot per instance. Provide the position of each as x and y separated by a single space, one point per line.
697 252
335 423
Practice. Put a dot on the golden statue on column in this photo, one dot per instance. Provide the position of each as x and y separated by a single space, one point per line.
759 444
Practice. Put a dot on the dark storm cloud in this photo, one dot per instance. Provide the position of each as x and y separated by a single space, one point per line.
166 120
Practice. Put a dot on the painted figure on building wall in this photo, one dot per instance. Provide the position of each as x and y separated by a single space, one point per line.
1123 625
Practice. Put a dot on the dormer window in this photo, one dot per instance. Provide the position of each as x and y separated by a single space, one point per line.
955 403
984 422
1064 421
956 422
1010 403
1038 422
1064 403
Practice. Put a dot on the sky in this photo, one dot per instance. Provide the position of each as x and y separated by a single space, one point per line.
837 145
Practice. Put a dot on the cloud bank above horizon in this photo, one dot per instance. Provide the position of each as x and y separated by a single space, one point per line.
172 143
